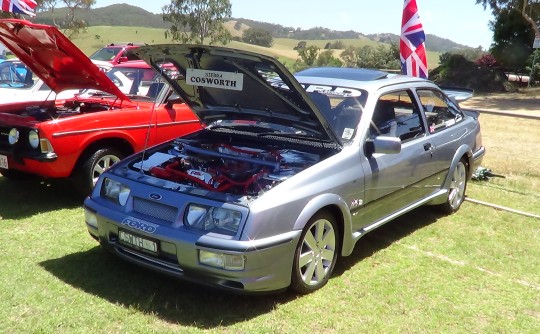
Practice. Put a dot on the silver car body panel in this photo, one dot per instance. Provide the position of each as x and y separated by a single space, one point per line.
362 190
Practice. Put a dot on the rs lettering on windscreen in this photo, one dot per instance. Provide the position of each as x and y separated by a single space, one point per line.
215 79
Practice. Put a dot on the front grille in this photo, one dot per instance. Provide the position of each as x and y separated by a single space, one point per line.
4 134
154 209
21 146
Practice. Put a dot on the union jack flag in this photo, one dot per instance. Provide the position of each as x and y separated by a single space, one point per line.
412 48
25 7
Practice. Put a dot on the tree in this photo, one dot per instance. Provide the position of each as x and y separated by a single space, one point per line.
458 71
258 36
71 25
350 56
198 21
48 5
326 58
528 9
380 57
311 56
512 40
301 45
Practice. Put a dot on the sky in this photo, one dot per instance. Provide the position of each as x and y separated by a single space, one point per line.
461 21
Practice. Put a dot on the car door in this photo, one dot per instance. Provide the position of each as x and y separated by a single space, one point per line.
442 118
394 181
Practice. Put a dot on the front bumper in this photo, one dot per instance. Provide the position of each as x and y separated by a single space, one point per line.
44 165
268 262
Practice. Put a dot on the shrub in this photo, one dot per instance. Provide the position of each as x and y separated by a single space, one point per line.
458 71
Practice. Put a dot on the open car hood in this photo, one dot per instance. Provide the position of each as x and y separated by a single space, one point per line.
227 84
53 57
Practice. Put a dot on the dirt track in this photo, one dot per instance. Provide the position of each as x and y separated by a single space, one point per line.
526 103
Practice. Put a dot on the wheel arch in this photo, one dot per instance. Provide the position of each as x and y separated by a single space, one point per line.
120 144
463 153
335 205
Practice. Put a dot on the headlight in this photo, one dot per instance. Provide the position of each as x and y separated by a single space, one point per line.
115 191
33 139
13 137
209 218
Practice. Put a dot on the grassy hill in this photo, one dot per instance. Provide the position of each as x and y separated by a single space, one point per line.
127 23
113 15
97 36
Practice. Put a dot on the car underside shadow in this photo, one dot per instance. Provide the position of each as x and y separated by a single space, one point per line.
386 235
97 272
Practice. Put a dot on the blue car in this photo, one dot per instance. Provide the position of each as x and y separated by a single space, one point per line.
14 73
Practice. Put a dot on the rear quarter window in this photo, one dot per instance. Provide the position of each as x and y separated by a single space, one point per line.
440 112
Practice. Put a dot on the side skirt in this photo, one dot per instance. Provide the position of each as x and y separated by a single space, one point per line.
358 234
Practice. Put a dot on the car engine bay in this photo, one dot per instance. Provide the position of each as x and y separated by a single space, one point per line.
245 170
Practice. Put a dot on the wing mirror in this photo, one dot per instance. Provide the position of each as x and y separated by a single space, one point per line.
172 101
384 145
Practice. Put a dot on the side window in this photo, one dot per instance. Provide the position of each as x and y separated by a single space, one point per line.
439 110
397 115
5 73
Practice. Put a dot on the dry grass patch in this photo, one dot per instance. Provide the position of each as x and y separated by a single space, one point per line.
513 145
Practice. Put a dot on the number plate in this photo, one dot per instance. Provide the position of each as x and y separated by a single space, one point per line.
3 162
138 242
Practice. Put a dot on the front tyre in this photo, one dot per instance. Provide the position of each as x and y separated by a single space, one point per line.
89 171
316 253
456 191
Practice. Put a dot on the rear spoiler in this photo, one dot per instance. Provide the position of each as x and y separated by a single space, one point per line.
458 94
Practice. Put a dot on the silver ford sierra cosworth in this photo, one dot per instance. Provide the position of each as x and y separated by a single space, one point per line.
287 173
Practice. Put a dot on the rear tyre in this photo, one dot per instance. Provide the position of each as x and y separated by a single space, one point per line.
89 171
456 191
316 254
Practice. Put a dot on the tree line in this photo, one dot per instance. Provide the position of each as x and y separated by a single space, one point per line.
514 27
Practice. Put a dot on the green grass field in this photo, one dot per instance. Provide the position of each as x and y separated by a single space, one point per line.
97 37
476 271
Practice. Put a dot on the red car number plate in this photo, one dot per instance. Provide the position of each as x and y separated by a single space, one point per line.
3 162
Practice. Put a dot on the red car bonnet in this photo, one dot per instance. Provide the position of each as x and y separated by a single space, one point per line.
54 58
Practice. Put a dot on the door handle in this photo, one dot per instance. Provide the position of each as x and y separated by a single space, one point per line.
428 146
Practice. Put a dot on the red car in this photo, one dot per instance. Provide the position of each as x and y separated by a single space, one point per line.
116 53
119 113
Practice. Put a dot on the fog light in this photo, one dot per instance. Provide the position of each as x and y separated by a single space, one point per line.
222 260
90 218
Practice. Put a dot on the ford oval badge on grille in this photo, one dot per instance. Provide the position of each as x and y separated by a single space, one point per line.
156 197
